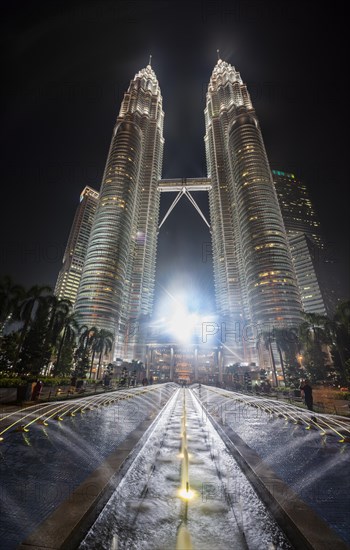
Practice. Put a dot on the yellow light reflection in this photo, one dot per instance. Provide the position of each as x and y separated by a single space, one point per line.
186 495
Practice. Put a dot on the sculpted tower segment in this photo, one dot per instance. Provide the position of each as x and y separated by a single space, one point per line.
269 274
117 284
254 275
226 91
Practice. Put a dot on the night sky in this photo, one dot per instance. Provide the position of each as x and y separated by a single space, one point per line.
65 73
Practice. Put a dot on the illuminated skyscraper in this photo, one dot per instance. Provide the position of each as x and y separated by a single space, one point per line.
117 285
254 275
306 243
73 260
298 213
306 258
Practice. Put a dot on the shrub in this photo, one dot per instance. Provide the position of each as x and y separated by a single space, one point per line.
12 382
343 395
55 381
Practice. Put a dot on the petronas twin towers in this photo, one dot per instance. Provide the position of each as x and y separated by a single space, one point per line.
253 272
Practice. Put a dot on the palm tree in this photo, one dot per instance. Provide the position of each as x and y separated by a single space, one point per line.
340 334
287 346
314 335
87 335
35 296
87 339
94 344
104 345
69 331
33 357
317 325
11 295
342 314
266 338
279 336
58 312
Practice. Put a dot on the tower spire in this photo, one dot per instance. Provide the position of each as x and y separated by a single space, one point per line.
218 52
150 60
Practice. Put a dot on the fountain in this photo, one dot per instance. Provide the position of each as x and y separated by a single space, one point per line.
155 506
183 540
40 472
180 488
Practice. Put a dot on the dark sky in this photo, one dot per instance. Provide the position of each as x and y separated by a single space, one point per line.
64 76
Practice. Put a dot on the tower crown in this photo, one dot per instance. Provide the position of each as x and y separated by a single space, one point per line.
148 79
144 96
223 72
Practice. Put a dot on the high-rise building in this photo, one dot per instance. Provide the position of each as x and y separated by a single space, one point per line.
306 258
73 260
117 285
298 212
255 282
254 275
305 239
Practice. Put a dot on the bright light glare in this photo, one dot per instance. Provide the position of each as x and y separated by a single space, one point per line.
183 324
186 495
180 316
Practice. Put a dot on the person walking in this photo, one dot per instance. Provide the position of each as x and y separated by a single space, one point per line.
307 389
37 390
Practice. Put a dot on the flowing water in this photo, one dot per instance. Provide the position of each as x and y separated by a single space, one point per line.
151 510
183 489
39 469
316 466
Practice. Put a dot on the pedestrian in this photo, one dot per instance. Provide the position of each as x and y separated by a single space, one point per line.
307 389
37 390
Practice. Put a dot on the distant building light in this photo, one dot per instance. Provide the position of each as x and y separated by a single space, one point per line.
286 174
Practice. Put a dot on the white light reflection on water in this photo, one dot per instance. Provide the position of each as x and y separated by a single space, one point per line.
145 511
316 467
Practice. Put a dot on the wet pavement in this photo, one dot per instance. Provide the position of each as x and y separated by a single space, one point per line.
315 466
41 468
